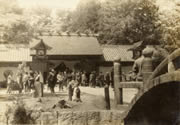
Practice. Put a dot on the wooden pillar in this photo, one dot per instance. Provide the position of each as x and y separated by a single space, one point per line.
107 98
121 95
118 92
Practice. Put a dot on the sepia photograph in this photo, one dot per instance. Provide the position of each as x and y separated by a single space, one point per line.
89 62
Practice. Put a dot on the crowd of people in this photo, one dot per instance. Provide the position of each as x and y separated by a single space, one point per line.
26 81
92 79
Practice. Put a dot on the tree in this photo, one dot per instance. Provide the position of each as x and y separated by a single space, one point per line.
10 6
63 20
116 22
171 27
84 18
125 22
114 16
40 18
14 27
145 26
18 32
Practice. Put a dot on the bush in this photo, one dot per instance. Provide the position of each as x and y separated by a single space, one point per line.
3 84
18 114
7 72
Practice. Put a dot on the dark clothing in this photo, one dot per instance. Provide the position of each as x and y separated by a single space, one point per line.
51 81
31 82
99 80
78 78
112 79
84 79
107 79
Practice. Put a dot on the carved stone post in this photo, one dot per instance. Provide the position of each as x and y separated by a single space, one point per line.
147 64
118 92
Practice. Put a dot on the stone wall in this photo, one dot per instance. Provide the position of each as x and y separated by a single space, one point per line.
80 118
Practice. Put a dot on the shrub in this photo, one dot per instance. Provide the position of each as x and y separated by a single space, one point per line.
3 84
7 72
18 113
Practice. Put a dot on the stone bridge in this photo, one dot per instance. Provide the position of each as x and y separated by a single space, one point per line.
158 99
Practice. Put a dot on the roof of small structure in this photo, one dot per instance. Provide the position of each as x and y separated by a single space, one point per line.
110 52
14 53
69 45
136 46
41 45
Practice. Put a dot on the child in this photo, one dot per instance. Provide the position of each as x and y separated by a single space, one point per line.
77 93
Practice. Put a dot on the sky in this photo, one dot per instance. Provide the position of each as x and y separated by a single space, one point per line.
56 4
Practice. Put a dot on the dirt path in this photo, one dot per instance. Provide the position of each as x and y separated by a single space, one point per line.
92 99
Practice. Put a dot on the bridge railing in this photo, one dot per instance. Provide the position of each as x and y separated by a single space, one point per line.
119 84
170 64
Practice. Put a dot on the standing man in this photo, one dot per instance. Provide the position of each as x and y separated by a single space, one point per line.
31 80
25 82
9 83
107 78
84 79
101 79
51 80
92 79
70 88
112 78
78 77
60 80
20 81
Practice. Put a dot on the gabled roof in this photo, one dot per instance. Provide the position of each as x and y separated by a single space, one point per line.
136 46
110 52
14 53
41 45
70 45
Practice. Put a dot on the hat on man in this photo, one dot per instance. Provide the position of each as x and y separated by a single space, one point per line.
52 70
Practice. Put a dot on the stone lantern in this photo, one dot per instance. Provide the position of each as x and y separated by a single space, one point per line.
147 63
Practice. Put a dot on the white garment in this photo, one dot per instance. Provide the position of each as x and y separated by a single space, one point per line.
9 79
75 93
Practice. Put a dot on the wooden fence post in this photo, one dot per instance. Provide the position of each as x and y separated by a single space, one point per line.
107 98
118 92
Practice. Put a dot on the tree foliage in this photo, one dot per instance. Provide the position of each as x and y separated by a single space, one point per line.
171 27
117 22
18 32
10 6
14 26
84 18
115 16
40 18
144 26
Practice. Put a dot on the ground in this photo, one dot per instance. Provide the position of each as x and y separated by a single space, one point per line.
92 99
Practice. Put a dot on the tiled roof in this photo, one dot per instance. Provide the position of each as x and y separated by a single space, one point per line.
110 52
14 53
70 45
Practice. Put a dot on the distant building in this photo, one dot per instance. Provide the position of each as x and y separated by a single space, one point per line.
110 52
11 55
75 51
